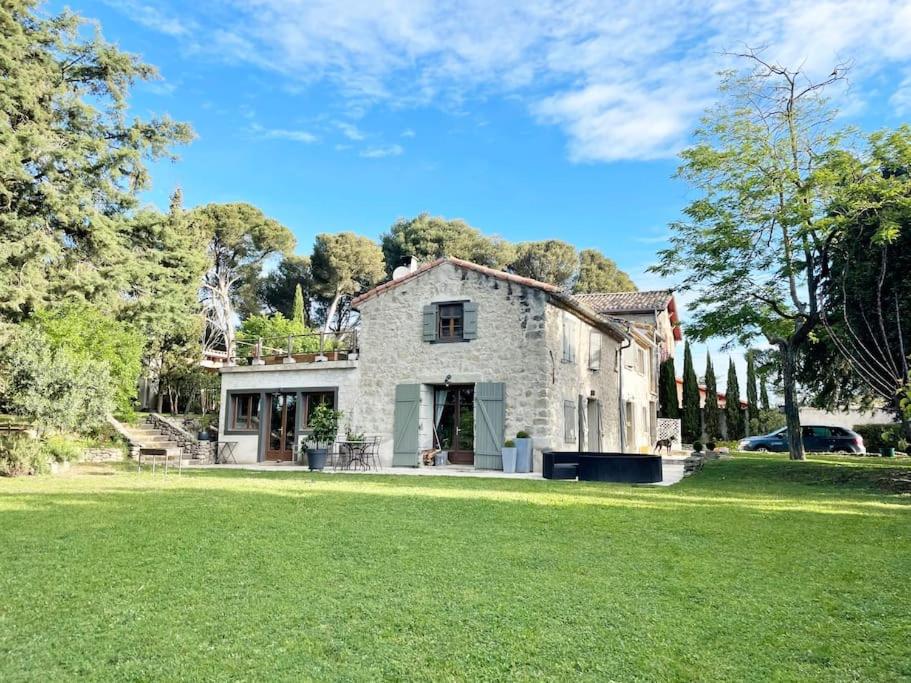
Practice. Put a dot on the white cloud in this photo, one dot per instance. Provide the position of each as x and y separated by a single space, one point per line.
350 131
382 151
283 134
408 133
623 80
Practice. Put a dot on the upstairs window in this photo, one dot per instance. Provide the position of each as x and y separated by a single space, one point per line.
450 322
569 338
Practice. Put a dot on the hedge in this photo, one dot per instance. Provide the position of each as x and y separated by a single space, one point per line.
873 435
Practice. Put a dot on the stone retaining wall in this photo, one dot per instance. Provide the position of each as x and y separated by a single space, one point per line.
191 448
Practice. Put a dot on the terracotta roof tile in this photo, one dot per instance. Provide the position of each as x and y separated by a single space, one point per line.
627 302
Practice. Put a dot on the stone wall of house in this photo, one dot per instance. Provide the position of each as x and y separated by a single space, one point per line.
508 349
340 375
569 379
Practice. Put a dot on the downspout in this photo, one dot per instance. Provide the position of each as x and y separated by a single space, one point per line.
620 402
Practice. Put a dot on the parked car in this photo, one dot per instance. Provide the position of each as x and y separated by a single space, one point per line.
816 439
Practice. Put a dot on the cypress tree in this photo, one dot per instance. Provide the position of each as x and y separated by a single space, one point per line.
752 402
669 402
712 429
763 395
298 310
691 424
732 408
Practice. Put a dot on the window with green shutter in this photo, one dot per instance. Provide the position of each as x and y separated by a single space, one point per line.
451 321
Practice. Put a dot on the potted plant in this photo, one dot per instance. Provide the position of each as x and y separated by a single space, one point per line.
523 452
887 450
509 456
324 425
697 447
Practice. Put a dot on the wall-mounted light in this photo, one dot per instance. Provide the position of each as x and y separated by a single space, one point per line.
446 381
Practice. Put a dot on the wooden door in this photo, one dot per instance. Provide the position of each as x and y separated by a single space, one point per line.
454 410
282 418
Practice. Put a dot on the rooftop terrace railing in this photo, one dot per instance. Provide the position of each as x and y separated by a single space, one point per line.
313 347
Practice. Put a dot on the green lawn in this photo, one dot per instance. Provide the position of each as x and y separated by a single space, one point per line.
756 569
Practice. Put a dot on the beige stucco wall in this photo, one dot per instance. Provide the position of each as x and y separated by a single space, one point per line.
508 349
641 390
342 375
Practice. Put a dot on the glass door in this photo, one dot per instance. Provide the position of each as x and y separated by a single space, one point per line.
454 416
282 421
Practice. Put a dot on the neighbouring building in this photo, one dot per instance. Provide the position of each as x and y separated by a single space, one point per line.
461 357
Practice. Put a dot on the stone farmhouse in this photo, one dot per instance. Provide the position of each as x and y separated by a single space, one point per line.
461 357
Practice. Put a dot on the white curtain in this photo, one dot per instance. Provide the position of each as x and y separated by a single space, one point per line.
439 401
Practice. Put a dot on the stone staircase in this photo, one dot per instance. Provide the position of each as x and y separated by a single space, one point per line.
158 432
147 435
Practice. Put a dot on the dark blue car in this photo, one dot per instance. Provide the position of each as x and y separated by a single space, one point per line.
816 439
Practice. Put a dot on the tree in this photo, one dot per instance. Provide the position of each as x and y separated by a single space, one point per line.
763 395
344 265
752 246
752 421
691 424
298 317
427 237
277 290
91 338
668 401
860 357
732 411
58 388
597 273
72 161
712 427
240 239
551 261
275 330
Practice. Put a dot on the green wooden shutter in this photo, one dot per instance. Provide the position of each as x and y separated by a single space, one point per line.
470 324
489 419
429 333
405 425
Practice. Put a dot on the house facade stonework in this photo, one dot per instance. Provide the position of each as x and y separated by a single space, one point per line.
459 357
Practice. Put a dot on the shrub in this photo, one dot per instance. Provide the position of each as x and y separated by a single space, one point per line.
877 436
64 448
509 444
697 446
523 435
20 454
710 445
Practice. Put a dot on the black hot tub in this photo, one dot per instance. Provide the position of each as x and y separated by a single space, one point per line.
617 467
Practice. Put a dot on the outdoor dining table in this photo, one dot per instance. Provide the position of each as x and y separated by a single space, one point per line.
359 453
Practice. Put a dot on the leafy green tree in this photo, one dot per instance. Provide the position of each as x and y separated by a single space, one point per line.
277 290
752 400
56 387
597 273
753 244
344 265
427 237
299 316
551 261
733 413
240 239
92 338
712 426
275 330
668 401
72 160
691 423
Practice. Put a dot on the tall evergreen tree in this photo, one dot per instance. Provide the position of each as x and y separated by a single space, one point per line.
763 395
691 426
668 401
298 313
752 420
712 426
732 410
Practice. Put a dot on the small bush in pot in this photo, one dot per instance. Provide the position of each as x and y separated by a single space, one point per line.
697 446
523 452
509 456
324 426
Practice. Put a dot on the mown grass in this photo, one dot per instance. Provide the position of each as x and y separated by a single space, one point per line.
756 569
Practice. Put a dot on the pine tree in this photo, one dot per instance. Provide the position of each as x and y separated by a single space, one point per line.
298 311
712 428
669 402
732 407
691 424
752 422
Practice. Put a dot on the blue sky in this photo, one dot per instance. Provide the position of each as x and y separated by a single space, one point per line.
530 119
